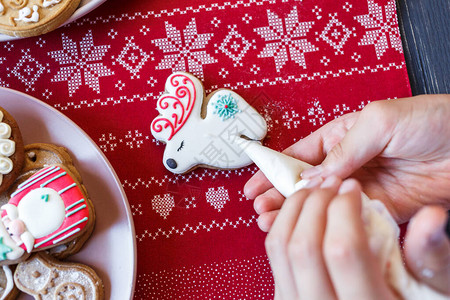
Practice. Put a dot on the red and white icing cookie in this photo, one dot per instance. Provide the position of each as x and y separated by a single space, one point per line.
46 210
193 139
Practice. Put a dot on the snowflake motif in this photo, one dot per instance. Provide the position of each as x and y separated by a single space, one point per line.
283 39
226 107
179 51
87 61
381 29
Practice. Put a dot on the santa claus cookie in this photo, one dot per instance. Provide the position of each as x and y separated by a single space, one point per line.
26 18
199 131
48 209
37 157
11 150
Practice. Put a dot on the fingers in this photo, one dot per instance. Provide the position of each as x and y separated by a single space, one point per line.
270 200
305 246
277 241
351 265
265 220
256 185
427 248
364 140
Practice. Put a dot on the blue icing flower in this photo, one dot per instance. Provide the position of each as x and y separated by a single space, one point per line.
226 107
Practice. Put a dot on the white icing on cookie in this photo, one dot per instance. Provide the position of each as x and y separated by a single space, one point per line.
48 3
2 8
5 131
192 140
45 203
9 282
25 12
7 148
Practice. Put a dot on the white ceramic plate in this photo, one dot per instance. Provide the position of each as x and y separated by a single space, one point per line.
111 250
86 6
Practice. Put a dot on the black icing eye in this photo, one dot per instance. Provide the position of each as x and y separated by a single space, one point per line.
10 234
181 146
7 228
171 163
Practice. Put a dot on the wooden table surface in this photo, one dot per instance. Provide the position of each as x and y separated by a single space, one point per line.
425 28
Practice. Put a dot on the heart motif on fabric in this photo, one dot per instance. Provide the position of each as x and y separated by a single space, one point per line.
163 205
217 198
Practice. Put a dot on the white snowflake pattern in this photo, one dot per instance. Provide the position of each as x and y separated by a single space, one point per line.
283 40
180 50
87 62
381 29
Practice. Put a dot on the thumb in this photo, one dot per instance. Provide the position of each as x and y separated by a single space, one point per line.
427 248
363 141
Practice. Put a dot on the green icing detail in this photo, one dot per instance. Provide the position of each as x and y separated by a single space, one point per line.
226 107
4 249
45 197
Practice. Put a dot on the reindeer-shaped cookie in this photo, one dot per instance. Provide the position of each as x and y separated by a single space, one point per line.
46 278
200 131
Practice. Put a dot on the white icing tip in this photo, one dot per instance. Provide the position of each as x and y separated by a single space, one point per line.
301 184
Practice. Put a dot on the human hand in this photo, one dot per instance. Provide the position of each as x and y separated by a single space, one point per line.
398 149
318 247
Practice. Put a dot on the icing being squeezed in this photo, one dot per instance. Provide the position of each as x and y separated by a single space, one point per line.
284 173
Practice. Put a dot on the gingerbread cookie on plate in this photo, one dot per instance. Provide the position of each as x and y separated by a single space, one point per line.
37 157
24 18
11 150
44 277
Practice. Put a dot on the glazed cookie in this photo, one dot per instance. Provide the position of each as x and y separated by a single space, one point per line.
26 18
43 277
41 155
198 131
11 150
8 290
48 209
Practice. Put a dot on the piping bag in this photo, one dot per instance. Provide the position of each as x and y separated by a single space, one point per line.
284 171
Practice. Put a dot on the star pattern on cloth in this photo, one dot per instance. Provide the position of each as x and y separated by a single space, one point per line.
84 65
382 29
4 249
286 42
184 50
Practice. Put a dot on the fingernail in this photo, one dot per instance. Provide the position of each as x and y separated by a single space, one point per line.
347 186
313 183
312 172
331 181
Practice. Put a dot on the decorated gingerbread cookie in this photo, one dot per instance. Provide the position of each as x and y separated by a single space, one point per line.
48 209
37 157
26 18
197 130
11 150
43 277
